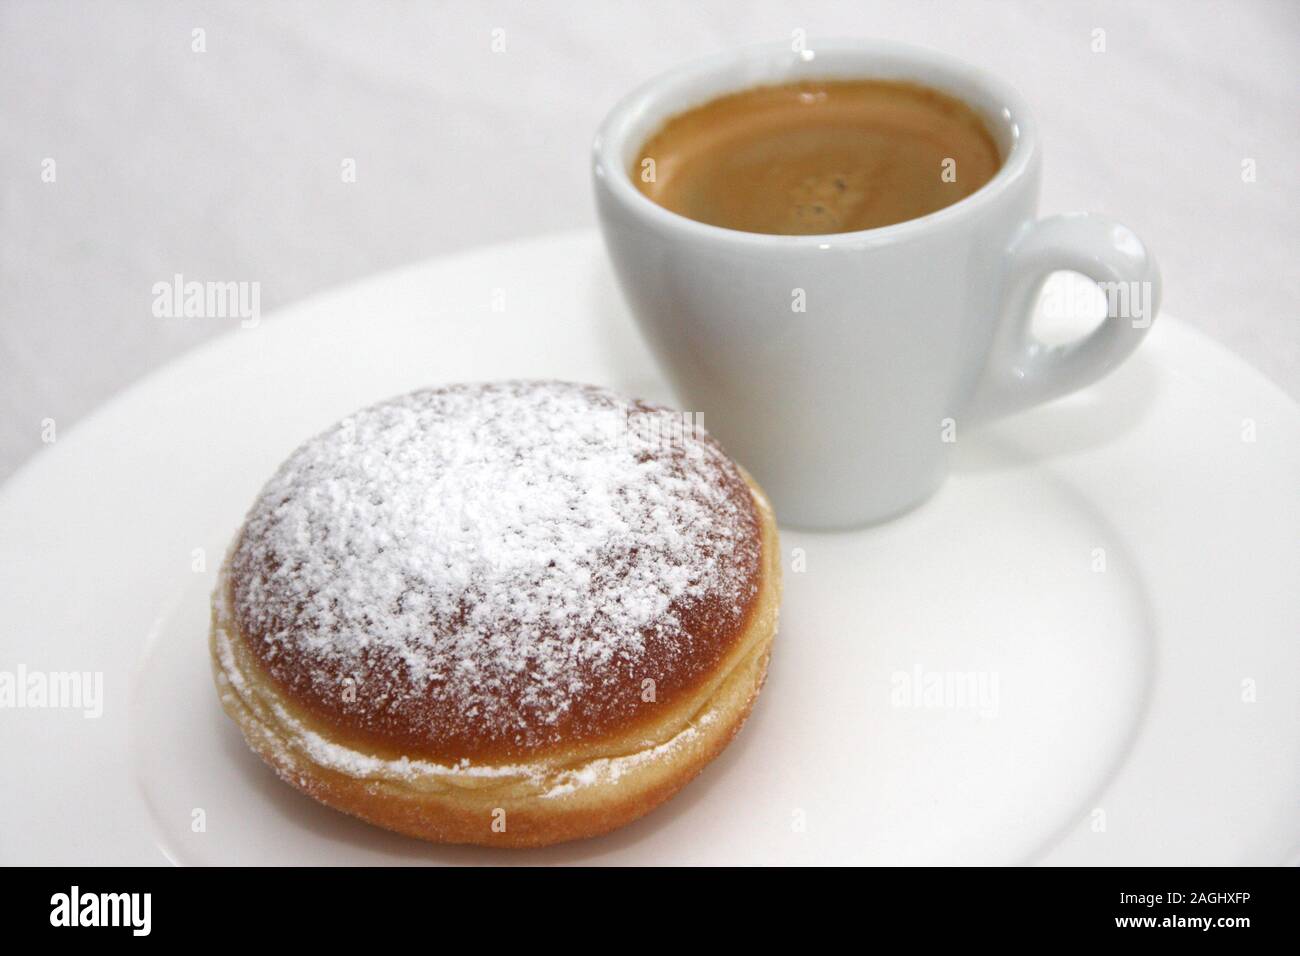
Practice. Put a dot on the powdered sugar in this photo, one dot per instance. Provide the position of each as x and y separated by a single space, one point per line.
494 562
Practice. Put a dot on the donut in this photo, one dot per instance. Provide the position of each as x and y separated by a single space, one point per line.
507 614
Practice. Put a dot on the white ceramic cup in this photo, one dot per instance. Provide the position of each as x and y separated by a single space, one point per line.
846 412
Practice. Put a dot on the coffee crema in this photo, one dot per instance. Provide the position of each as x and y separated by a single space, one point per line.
818 157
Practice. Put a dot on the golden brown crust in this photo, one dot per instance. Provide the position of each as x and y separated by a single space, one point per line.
582 790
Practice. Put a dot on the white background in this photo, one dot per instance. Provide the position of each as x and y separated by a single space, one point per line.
225 165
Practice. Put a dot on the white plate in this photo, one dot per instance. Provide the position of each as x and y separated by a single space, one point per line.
1144 713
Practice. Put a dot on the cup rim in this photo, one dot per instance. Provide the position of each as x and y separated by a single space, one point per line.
1015 118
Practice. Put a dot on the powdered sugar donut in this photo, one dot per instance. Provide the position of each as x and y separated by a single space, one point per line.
508 614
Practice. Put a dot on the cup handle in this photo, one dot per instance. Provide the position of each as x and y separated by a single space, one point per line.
1021 371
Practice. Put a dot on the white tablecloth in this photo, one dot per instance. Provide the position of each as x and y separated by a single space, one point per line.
225 164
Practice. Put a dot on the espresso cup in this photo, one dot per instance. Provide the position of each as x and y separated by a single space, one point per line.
840 368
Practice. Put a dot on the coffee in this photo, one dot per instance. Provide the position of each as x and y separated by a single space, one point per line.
818 157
